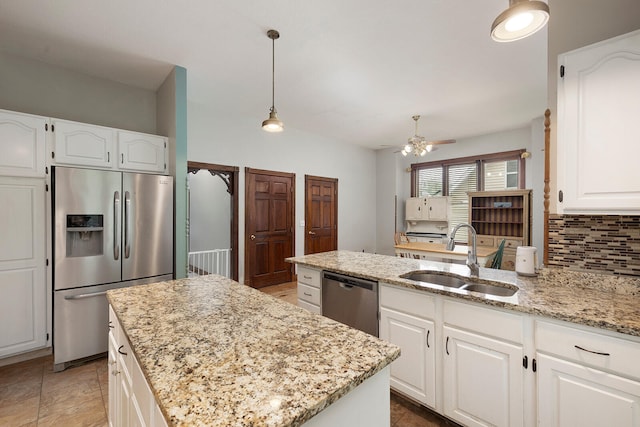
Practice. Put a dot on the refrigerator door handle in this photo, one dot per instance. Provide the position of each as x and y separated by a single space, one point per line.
83 296
116 221
127 213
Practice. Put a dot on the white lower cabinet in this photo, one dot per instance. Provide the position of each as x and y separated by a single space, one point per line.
483 380
585 378
483 369
131 401
406 320
309 289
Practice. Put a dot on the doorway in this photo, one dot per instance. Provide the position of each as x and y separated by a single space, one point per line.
269 232
321 214
212 210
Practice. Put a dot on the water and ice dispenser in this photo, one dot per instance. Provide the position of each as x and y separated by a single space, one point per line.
85 234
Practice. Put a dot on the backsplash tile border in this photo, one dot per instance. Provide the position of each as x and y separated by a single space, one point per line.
595 243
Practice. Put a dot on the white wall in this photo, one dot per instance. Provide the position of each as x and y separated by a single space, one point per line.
209 212
240 141
530 138
35 87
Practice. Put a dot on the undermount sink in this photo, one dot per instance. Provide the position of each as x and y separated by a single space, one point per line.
434 278
501 291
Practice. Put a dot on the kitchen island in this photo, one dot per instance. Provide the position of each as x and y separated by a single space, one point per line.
217 353
597 300
558 349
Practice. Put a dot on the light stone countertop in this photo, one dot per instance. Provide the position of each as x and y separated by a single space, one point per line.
217 353
601 301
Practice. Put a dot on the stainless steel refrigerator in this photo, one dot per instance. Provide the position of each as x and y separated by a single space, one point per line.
110 230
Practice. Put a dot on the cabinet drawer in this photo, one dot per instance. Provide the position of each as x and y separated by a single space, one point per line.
311 307
512 243
485 241
309 293
309 276
620 355
489 321
407 301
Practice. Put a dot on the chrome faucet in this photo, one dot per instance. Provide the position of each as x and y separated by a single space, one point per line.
472 255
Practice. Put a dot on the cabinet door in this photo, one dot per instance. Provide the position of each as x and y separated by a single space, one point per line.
83 145
413 373
598 130
483 380
114 412
414 207
141 152
437 208
22 144
22 265
571 394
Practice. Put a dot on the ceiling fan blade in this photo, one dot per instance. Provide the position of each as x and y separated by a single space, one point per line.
443 141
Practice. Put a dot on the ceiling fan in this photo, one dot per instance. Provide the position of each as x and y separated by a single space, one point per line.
419 146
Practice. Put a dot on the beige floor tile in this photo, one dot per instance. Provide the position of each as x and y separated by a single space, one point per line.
69 378
89 413
21 372
20 413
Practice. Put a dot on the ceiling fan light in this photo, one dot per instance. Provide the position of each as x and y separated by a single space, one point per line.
520 20
273 123
404 153
408 148
429 148
423 152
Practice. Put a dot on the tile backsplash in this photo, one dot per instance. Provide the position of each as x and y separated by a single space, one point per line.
596 243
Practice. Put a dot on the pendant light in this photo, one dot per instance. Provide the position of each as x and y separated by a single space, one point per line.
273 123
520 20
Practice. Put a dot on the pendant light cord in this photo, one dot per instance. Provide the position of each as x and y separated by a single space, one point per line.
273 74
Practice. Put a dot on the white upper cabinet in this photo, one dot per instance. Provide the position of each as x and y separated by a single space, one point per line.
81 144
598 128
427 208
142 152
107 148
22 144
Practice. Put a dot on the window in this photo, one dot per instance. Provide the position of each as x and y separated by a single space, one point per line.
456 177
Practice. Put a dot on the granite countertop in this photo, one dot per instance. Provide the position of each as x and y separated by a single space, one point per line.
602 301
217 353
441 248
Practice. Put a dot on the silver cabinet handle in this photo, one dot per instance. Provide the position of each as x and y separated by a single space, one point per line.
313 233
127 214
83 296
252 237
307 294
116 221
591 351
115 373
307 277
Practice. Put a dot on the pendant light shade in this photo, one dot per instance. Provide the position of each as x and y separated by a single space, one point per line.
520 20
273 123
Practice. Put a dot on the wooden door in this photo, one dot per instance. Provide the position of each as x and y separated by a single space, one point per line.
321 214
269 237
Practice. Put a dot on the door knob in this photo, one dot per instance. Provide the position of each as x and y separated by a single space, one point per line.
253 237
313 233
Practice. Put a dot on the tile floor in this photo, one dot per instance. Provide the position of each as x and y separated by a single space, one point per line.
31 394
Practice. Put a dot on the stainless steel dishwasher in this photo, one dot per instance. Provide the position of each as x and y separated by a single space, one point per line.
350 300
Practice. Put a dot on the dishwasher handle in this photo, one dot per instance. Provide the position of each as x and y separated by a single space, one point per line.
347 282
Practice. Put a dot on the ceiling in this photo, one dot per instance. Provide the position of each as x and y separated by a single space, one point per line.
354 71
